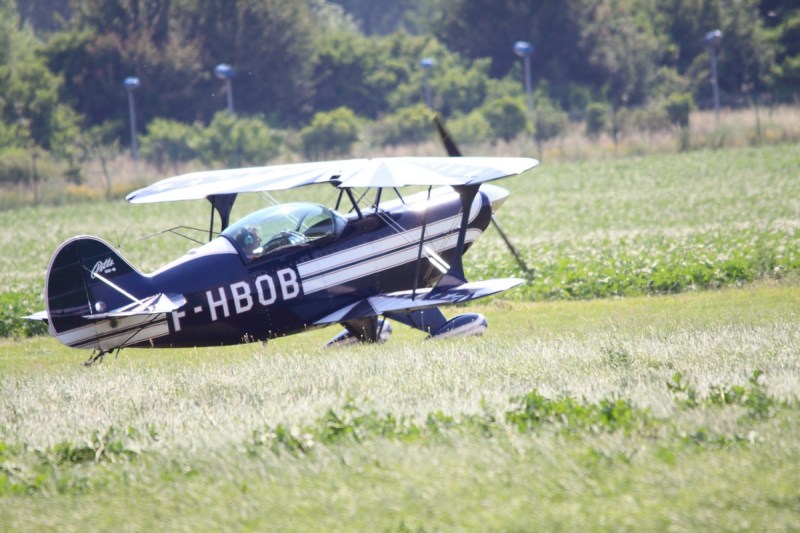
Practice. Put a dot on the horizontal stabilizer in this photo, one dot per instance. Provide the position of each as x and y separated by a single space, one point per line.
423 299
152 305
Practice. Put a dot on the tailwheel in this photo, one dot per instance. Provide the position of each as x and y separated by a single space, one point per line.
97 356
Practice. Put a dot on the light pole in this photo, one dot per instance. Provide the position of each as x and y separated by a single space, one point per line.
524 49
132 83
713 38
427 64
225 72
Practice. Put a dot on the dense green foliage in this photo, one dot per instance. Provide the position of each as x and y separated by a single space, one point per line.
13 307
678 106
62 64
596 119
507 117
330 133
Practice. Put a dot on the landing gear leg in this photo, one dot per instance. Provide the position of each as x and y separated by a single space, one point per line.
367 330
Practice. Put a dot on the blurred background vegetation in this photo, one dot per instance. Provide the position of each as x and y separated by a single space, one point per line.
317 79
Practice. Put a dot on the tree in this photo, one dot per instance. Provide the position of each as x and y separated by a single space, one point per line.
684 23
29 106
347 72
746 57
787 68
376 17
489 28
100 142
507 116
172 47
550 121
470 128
168 141
236 141
407 125
622 49
678 107
43 15
269 43
749 50
459 86
96 56
782 18
330 133
596 119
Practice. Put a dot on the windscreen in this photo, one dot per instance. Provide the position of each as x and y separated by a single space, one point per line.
277 227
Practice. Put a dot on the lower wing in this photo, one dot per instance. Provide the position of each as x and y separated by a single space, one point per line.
401 301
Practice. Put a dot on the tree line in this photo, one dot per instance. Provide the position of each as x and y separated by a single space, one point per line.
325 69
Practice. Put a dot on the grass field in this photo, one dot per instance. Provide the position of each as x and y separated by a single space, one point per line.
608 394
419 435
654 224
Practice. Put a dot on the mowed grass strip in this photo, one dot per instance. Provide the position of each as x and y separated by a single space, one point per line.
420 435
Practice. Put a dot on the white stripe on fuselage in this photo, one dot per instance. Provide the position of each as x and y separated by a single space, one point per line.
95 329
128 338
368 250
380 261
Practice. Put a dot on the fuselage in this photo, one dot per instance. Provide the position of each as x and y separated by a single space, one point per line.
230 299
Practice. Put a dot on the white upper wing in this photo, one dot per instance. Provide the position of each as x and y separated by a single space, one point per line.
376 172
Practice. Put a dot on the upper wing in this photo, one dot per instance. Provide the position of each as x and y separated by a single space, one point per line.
376 172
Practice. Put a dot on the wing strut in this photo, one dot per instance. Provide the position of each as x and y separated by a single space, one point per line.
353 201
421 244
455 276
223 204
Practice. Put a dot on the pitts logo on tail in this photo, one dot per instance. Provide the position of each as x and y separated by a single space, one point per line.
105 266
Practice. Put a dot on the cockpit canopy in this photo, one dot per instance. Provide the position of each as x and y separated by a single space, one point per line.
278 227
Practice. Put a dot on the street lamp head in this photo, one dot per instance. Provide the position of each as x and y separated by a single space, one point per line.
427 63
713 38
131 83
224 71
523 48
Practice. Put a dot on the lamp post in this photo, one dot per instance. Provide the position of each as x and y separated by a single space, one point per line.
225 72
524 49
427 64
712 39
132 83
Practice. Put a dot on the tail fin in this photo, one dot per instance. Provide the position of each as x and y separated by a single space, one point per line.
87 277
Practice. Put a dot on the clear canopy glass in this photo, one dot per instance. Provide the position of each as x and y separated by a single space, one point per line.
274 228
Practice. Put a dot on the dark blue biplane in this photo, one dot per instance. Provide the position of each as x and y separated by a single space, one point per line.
291 267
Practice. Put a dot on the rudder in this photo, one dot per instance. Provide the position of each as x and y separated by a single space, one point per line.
78 283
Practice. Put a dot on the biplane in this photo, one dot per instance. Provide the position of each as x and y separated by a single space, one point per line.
378 255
